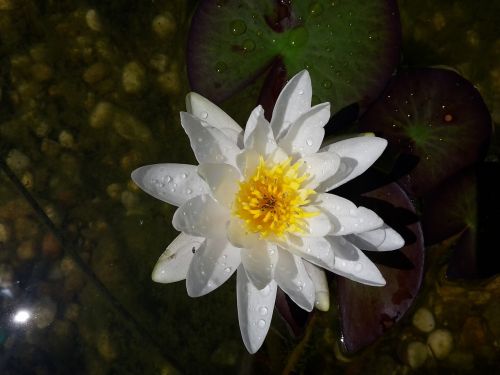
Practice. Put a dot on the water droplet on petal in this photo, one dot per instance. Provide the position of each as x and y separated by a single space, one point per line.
227 269
203 115
248 45
189 191
169 179
200 139
358 267
261 323
309 142
238 27
263 310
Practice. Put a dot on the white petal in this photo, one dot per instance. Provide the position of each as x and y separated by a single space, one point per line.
316 250
173 264
258 134
247 162
209 144
305 135
255 310
293 101
259 262
350 262
171 183
357 155
205 110
292 277
201 216
322 293
222 180
213 263
321 166
380 239
345 217
318 226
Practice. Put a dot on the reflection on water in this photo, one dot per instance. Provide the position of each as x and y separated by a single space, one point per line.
90 91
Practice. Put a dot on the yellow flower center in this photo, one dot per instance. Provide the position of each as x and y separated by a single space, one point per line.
271 201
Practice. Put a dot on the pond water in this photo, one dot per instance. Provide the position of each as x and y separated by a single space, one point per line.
91 90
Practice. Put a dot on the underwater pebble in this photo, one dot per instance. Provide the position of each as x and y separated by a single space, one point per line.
41 72
159 62
72 312
26 250
129 200
169 82
66 139
52 213
423 320
95 73
93 21
39 52
164 25
50 246
25 228
42 129
114 191
105 347
44 312
4 233
128 127
133 77
101 115
6 275
17 161
27 180
416 354
441 343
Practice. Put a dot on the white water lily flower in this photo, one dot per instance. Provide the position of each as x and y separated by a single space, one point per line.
257 204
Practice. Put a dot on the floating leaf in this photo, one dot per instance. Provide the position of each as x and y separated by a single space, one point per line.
435 115
350 47
367 312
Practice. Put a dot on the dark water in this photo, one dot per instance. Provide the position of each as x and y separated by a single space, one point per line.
89 91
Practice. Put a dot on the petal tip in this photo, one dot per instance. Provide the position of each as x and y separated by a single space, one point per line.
322 302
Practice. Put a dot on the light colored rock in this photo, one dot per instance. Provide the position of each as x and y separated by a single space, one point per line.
28 180
128 127
101 115
93 20
170 82
423 320
416 354
95 73
4 233
164 25
159 62
26 250
66 139
17 161
114 191
133 77
441 343
44 312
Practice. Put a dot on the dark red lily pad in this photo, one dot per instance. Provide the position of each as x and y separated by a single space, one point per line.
350 47
367 312
435 115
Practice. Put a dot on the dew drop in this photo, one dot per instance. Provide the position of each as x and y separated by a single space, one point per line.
227 269
200 139
184 175
261 323
326 84
301 92
358 267
315 9
308 250
248 45
448 117
172 190
220 67
189 191
309 142
203 115
263 310
238 27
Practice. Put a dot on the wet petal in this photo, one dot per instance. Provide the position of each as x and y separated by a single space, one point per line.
222 180
293 101
357 155
174 263
316 250
305 135
345 217
317 226
258 134
212 264
201 216
255 310
322 294
207 111
171 183
291 276
380 239
259 262
351 263
209 144
321 167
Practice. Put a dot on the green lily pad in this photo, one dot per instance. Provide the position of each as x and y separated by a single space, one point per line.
350 47
435 115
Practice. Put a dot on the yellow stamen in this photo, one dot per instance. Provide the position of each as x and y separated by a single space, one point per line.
271 201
